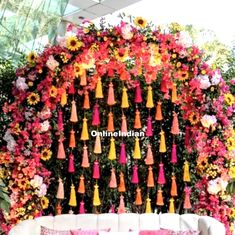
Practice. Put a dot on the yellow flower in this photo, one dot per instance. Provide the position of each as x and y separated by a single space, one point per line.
140 22
33 98
229 99
183 75
202 165
232 172
193 118
31 57
73 43
121 54
176 27
23 183
44 202
20 211
230 143
63 57
46 154
78 69
53 91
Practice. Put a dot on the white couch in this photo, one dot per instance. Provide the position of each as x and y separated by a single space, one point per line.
121 223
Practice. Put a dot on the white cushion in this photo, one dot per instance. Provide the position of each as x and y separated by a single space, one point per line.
65 222
108 221
128 221
189 221
149 221
170 221
87 221
46 221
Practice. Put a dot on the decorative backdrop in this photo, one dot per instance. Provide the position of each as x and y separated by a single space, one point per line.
165 117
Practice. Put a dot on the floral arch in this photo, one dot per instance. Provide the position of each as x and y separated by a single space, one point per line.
128 78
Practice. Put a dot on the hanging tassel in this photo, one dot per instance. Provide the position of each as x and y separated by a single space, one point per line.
85 159
96 170
61 153
187 136
149 158
86 103
121 187
138 95
158 115
96 116
173 186
138 197
137 124
60 190
83 79
174 93
175 125
173 154
148 206
72 200
63 100
84 135
111 98
161 174
150 180
113 179
187 203
71 168
149 103
72 142
60 122
124 125
149 130
137 153
160 201
135 177
71 89
186 177
122 156
99 90
163 86
73 117
112 209
58 209
96 197
97 147
125 103
82 208
172 206
81 186
112 149
162 148
110 122
121 207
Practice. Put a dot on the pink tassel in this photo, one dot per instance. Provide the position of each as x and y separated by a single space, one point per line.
96 170
61 152
149 158
175 125
122 157
124 125
135 177
85 159
60 122
81 208
187 136
121 208
149 130
60 190
111 98
187 203
113 179
138 95
112 209
161 175
71 89
174 154
71 168
96 116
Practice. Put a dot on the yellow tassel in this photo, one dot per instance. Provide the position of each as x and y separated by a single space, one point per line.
84 135
63 100
96 197
72 200
97 147
137 153
149 103
99 90
162 148
112 150
172 206
148 206
186 177
73 117
125 103
174 93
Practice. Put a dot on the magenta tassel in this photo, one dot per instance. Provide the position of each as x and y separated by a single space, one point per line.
161 175
164 86
60 122
82 208
187 136
96 170
138 95
112 209
149 130
96 116
174 154
71 168
135 177
122 157
71 89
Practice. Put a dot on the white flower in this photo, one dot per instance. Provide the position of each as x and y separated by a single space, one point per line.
185 39
45 126
45 113
11 143
208 120
52 63
216 78
204 81
37 181
216 185
41 191
20 84
126 32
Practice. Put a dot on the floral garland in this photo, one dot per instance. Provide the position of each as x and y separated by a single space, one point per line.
125 51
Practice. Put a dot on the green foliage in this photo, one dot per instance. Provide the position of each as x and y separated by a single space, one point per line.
4 198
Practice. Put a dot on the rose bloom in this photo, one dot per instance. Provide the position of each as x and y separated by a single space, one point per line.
208 120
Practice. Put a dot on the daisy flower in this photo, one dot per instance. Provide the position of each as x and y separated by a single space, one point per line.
33 98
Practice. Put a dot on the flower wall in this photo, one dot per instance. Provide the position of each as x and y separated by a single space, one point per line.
126 80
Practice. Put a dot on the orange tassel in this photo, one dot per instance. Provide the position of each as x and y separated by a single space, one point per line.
175 124
160 201
81 187
85 159
149 158
138 198
174 93
63 99
121 187
173 186
110 122
186 176
72 142
137 124
83 80
73 117
84 135
158 115
86 103
97 147
172 206
150 181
